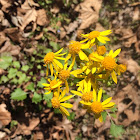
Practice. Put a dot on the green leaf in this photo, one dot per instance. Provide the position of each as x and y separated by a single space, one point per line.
72 116
116 130
47 97
18 94
13 123
5 61
104 114
4 79
54 45
114 109
12 73
43 80
25 68
31 87
16 64
36 98
49 104
56 111
22 78
105 96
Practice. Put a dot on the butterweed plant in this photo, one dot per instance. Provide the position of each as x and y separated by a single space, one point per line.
96 65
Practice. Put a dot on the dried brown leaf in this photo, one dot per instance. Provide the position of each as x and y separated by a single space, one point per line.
8 47
42 19
5 115
89 12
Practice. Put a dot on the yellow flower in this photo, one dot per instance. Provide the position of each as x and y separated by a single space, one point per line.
51 59
97 107
52 86
108 63
86 96
57 102
100 36
65 73
76 47
101 50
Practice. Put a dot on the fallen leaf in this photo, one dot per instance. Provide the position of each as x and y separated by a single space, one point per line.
6 4
30 16
136 14
127 101
8 47
89 12
5 115
72 27
42 19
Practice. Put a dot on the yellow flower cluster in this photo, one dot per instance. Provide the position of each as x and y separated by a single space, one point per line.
95 65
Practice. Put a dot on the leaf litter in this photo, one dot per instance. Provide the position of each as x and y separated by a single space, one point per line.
16 30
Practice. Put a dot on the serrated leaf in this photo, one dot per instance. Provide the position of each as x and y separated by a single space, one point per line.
5 61
43 80
36 98
104 114
116 130
25 68
16 64
12 73
18 94
47 97
31 87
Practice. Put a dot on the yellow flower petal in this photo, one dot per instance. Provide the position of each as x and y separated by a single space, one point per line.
68 57
58 84
59 51
62 94
64 111
58 63
108 106
66 105
101 118
114 77
83 56
101 39
83 40
66 98
51 68
85 46
106 101
110 53
76 93
94 95
61 58
93 70
46 85
75 72
99 95
67 86
85 103
48 92
104 33
116 52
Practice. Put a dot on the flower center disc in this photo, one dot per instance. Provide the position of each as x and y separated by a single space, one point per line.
75 47
109 63
52 83
96 107
93 34
88 96
49 58
64 74
101 50
55 102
